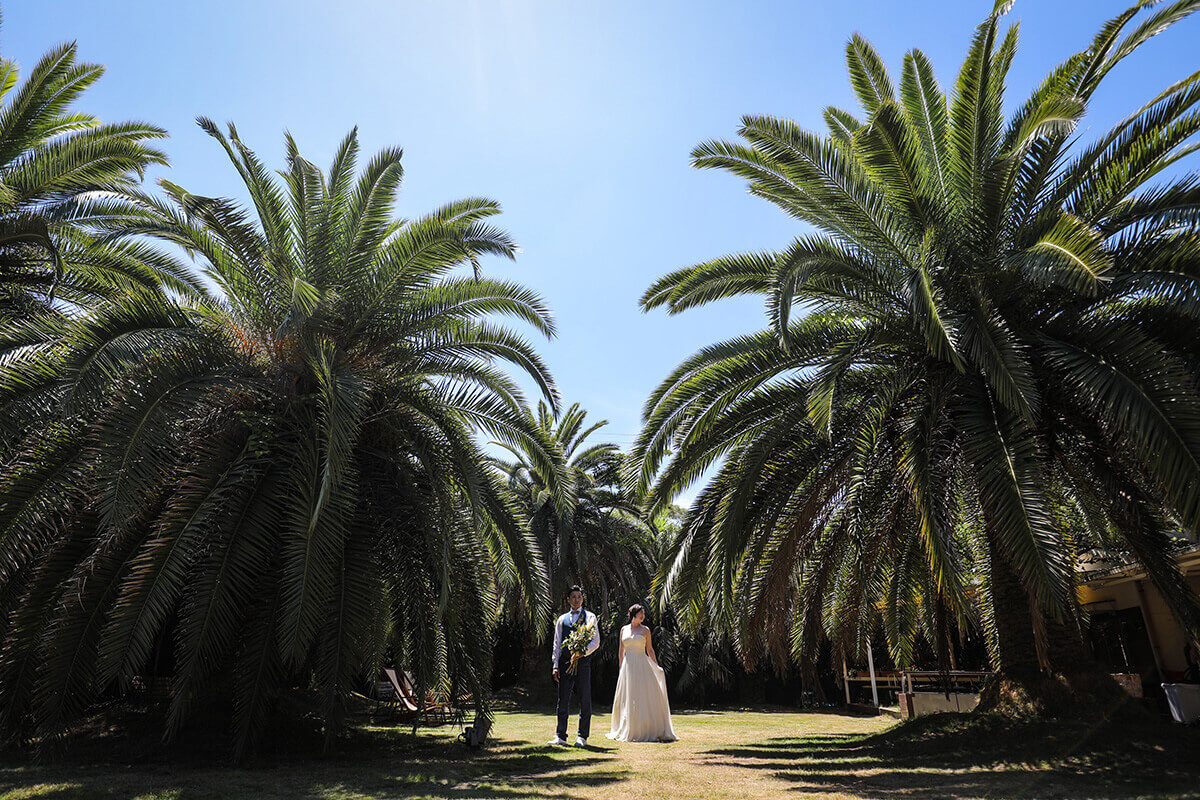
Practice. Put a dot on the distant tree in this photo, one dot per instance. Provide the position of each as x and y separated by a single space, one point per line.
700 659
593 534
996 362
287 470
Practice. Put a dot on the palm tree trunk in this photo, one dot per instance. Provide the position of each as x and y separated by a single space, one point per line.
1063 680
536 679
1069 652
1015 651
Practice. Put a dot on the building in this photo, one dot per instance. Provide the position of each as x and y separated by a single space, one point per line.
1132 629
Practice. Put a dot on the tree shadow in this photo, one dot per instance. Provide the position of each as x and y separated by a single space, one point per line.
505 770
957 755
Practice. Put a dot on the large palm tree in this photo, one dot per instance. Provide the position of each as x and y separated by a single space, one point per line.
996 362
58 170
281 480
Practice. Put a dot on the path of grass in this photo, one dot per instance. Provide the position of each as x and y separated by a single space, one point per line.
728 754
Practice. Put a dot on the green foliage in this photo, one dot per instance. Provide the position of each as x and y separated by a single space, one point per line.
59 170
997 359
281 482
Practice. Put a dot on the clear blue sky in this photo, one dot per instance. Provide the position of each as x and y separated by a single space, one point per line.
578 117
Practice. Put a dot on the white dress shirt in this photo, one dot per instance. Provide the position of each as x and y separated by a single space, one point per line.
572 617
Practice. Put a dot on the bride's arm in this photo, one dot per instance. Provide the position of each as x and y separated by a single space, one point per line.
650 646
621 651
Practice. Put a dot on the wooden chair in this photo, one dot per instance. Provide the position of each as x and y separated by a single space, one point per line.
431 706
404 699
456 704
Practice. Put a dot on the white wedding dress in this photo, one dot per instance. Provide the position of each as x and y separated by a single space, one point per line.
641 712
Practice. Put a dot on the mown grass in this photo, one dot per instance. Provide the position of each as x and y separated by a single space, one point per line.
723 754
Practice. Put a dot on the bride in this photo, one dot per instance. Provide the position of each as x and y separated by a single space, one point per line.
641 712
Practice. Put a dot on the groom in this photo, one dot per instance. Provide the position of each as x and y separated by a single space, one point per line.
560 659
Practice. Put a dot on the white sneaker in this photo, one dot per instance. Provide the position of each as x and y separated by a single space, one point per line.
579 741
558 741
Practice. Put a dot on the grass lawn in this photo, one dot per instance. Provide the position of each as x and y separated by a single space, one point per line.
722 754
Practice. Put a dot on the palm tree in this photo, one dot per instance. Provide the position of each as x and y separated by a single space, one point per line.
282 479
998 362
590 532
58 170
594 536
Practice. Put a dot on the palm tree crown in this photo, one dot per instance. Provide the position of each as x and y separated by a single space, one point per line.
59 169
996 361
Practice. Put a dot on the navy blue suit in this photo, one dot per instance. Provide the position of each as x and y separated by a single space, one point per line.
567 683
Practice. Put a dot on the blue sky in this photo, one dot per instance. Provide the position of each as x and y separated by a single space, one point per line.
578 117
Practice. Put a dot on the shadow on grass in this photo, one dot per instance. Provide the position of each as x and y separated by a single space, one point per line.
956 755
393 766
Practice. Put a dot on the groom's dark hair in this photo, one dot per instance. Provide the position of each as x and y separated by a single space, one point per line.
574 589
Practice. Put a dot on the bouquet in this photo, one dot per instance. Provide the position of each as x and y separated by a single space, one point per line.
577 644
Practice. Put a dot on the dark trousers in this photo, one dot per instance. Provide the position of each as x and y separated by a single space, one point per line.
566 685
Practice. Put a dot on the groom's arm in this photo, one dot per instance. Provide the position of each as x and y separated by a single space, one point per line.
594 644
557 645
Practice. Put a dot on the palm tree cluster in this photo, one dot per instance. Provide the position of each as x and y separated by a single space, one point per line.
241 443
276 476
995 365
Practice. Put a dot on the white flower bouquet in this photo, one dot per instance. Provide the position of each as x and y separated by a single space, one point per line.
577 644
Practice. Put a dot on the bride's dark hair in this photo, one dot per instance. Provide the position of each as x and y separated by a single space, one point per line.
634 609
